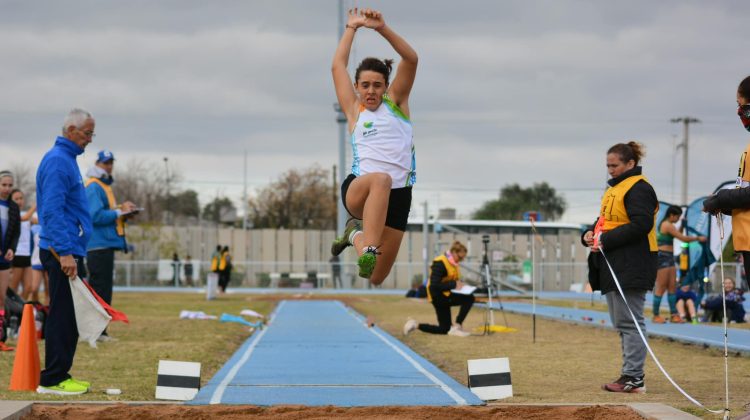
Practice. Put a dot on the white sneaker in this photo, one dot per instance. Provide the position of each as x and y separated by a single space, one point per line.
410 326
458 332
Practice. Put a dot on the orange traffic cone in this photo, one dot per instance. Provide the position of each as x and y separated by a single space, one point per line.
25 375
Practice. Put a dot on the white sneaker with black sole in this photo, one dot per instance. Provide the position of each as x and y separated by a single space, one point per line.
410 326
458 332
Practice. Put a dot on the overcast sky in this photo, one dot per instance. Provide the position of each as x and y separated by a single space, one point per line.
506 91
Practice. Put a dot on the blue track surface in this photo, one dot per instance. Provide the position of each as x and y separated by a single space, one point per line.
713 336
321 353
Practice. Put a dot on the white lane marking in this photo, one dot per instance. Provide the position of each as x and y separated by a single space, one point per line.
448 390
219 392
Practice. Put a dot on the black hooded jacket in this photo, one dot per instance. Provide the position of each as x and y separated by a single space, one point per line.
10 241
627 246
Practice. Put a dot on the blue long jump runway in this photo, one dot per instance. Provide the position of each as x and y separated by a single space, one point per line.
321 353
709 335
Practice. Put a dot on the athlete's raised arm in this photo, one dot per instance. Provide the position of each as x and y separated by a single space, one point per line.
345 93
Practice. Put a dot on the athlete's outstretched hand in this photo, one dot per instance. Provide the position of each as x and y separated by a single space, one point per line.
356 19
373 19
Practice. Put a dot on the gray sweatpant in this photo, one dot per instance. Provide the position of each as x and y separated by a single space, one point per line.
633 348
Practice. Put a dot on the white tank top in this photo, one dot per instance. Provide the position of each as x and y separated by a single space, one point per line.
23 249
382 142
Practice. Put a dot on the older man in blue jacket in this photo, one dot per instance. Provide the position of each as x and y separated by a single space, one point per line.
108 236
66 227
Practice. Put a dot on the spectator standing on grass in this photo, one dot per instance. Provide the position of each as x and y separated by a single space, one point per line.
66 227
188 271
22 257
10 229
336 271
37 269
225 269
625 232
175 269
108 235
216 259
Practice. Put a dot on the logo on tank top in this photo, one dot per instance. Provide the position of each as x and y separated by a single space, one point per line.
369 130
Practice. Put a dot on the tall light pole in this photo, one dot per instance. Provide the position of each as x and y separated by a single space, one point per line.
341 119
686 121
244 197
169 200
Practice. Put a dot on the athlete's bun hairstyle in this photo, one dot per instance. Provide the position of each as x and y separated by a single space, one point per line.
630 151
744 88
383 67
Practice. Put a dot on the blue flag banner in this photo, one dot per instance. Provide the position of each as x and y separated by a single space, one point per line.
701 257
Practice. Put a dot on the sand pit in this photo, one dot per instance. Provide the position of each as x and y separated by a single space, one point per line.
231 412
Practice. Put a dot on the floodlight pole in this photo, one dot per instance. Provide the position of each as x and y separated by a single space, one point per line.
341 119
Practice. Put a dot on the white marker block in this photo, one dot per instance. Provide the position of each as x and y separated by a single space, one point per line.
212 283
489 379
178 380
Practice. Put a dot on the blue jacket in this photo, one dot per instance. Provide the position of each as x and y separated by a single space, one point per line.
61 201
104 219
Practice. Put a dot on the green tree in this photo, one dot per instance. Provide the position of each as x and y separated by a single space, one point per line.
186 204
220 210
514 201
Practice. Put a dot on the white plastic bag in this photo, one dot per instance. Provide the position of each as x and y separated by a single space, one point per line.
91 317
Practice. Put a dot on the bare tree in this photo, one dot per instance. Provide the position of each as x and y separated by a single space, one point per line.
24 179
145 183
298 199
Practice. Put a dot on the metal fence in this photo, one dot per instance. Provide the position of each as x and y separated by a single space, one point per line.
287 274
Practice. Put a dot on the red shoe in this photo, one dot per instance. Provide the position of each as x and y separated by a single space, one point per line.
4 347
675 319
627 384
658 319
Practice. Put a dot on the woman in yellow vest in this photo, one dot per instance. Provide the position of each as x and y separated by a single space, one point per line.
737 200
444 277
625 231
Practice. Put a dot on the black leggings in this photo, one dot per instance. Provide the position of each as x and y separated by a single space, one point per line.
442 307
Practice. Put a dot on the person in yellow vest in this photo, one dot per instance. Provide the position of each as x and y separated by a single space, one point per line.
225 269
108 235
625 232
215 258
737 201
445 276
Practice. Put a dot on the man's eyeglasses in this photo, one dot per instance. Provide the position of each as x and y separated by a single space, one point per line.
88 133
744 111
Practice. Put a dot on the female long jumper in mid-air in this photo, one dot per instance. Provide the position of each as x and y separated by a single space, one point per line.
378 191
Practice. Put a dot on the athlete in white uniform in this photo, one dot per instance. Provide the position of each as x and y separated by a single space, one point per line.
21 274
379 190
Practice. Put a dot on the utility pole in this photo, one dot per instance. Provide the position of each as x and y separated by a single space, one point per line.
244 199
341 119
426 240
686 121
169 199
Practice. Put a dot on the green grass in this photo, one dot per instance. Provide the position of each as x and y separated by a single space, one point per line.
567 363
155 333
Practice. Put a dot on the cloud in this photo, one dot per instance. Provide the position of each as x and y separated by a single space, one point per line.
506 92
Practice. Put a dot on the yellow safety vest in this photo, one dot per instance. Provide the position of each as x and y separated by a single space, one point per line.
215 262
741 217
613 209
120 223
453 275
223 261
